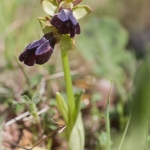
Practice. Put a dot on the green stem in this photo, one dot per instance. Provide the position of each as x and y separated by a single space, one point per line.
33 111
108 131
124 134
108 121
23 71
69 89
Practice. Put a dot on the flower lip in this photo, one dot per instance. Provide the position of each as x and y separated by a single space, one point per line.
66 23
38 51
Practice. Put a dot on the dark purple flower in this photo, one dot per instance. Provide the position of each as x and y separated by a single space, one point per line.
66 23
38 51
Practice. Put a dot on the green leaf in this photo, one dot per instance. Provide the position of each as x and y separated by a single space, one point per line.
76 140
140 109
62 106
14 102
78 103
80 11
18 108
36 98
25 98
35 80
67 43
49 6
45 24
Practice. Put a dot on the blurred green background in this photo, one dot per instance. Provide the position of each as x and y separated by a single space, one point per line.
114 43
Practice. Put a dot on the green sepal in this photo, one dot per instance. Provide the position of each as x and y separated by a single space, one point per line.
45 24
49 6
62 106
80 11
67 43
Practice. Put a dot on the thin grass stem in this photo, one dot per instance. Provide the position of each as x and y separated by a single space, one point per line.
108 121
124 134
23 71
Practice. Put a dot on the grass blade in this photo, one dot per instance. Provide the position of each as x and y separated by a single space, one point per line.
108 121
124 134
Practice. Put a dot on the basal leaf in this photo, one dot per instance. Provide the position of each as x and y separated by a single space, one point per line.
78 103
140 109
76 141
62 106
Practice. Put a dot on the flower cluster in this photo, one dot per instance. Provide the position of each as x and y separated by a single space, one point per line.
62 23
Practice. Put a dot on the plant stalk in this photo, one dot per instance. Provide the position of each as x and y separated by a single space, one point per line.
69 88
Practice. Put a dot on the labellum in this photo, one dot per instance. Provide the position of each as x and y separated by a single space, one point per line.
66 23
39 51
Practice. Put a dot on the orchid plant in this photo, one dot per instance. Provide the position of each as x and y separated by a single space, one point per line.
61 26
